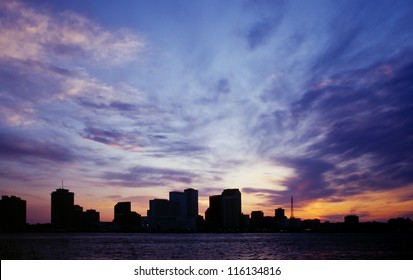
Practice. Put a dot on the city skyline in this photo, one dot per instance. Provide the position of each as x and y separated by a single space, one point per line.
130 101
223 211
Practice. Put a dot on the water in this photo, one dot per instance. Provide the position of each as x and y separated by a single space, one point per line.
130 246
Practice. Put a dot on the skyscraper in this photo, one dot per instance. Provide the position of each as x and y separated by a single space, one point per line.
181 200
188 202
213 215
162 214
231 206
191 203
12 213
62 208
224 210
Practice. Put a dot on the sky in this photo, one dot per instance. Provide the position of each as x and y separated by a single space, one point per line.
127 101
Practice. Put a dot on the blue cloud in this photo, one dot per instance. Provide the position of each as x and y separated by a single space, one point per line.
359 134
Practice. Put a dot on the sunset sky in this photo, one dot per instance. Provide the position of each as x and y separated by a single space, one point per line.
129 100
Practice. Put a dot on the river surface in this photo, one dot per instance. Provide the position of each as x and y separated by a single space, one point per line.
250 246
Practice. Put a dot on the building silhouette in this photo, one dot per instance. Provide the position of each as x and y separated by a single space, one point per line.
311 224
162 214
213 215
181 202
85 220
351 220
77 216
281 221
257 220
124 217
65 215
12 213
231 208
62 208
121 210
224 211
179 213
192 203
280 213
91 219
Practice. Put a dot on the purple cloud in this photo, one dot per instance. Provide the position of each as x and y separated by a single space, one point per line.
18 148
142 176
359 134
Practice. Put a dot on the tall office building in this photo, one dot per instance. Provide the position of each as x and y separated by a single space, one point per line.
180 212
191 203
188 202
162 214
213 215
121 211
231 206
180 199
163 208
12 213
224 210
62 208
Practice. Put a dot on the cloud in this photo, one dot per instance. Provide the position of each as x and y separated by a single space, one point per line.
372 121
337 50
259 33
143 176
309 181
223 86
350 133
17 148
114 138
44 65
37 34
269 15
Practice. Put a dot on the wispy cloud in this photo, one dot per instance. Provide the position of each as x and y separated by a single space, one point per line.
36 34
360 134
14 147
143 176
262 29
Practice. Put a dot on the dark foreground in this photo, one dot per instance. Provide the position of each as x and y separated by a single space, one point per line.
129 246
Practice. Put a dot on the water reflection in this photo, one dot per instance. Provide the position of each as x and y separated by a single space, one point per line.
207 246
